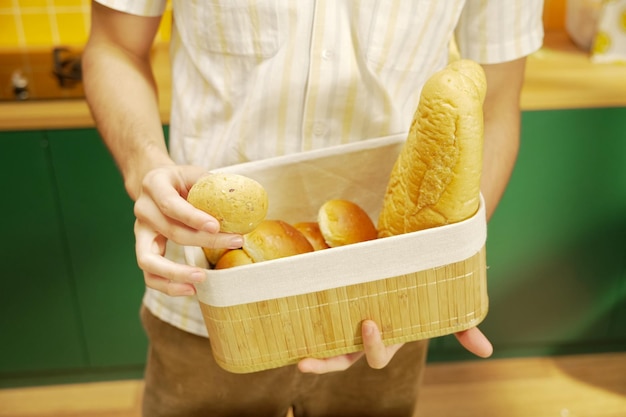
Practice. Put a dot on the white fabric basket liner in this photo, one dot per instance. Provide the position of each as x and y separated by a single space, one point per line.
297 186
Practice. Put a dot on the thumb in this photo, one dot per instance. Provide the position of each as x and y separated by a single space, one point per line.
476 342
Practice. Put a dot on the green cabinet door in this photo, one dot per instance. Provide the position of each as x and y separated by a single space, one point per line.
39 325
98 220
557 242
618 315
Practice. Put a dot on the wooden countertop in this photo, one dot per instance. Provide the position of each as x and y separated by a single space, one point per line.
74 113
559 76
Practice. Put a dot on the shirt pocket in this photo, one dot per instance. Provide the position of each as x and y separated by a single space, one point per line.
233 27
399 35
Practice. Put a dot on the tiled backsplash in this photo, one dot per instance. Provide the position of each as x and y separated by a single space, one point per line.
36 23
25 23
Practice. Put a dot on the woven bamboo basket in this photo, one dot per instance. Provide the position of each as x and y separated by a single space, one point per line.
414 286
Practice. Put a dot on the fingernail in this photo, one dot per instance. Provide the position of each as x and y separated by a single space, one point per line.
188 291
211 227
197 276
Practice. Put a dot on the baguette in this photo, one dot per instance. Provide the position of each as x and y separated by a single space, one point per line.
436 178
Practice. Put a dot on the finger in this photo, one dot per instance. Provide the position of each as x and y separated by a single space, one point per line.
375 349
168 287
334 364
158 270
173 213
171 200
377 354
177 208
149 214
475 342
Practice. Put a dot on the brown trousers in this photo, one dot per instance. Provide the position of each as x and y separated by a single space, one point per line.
183 380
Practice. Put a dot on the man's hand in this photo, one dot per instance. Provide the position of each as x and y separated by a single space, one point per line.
163 213
378 355
475 342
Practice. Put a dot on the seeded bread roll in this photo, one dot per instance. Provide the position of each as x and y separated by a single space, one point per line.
343 222
274 239
311 230
436 178
239 203
233 258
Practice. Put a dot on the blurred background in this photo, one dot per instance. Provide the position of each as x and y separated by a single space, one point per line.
71 290
47 23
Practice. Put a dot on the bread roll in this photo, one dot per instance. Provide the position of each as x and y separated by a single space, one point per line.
436 178
239 203
274 239
343 222
214 254
233 258
311 230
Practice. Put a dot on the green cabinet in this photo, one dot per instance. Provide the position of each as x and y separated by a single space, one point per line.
557 242
71 288
69 303
98 222
40 328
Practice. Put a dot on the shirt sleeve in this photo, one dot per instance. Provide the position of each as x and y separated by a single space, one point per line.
495 31
137 7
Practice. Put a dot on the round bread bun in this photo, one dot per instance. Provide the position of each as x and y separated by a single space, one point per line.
311 230
274 239
233 258
343 222
239 203
214 254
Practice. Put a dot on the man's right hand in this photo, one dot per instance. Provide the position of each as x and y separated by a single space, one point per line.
163 213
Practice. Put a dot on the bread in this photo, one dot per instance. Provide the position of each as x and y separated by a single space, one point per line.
343 222
436 178
273 239
214 254
475 72
233 258
239 203
311 231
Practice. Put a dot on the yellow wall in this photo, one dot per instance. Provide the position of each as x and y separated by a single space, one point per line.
36 23
27 23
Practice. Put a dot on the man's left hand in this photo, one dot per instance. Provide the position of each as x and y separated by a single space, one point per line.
378 355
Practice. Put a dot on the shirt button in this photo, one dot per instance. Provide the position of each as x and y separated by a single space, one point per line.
327 54
319 129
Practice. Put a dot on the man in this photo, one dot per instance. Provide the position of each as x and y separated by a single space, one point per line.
255 79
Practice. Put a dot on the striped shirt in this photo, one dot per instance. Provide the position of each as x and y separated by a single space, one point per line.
256 79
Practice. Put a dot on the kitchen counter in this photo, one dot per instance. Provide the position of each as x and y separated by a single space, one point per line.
559 76
74 113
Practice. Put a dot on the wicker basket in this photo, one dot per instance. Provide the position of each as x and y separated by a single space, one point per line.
415 286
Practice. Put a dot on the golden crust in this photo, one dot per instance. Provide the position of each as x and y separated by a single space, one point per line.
233 258
343 222
237 202
311 230
214 254
436 178
274 239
